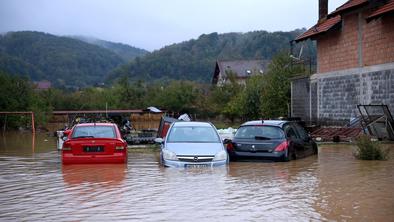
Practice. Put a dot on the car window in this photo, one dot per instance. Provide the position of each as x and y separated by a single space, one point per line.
290 132
94 132
194 134
255 132
301 131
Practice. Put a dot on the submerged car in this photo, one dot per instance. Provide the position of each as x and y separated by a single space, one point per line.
94 143
271 139
192 144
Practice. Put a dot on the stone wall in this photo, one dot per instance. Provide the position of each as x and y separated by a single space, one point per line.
334 96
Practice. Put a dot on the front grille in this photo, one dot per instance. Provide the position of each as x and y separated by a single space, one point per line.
195 159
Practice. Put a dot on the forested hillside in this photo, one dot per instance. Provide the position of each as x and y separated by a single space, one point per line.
125 51
66 62
70 63
195 59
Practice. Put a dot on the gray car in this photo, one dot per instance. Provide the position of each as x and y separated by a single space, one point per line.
192 144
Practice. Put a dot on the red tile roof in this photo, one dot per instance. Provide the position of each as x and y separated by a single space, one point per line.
320 28
389 7
348 5
43 84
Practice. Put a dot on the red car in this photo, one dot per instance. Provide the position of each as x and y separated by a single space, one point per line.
94 143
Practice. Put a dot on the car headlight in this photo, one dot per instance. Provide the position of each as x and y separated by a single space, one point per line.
169 155
222 155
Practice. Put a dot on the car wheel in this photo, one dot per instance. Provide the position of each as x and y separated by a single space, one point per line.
288 156
293 155
315 150
232 158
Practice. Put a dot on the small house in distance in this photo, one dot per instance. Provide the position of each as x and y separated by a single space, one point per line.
242 69
43 85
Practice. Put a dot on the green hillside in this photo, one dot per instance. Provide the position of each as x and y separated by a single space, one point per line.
195 59
125 51
66 62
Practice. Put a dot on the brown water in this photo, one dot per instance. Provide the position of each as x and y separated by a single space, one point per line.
34 186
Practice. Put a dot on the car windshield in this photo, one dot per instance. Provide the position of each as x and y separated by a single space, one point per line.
259 132
93 132
193 134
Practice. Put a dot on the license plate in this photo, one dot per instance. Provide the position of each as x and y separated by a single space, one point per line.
196 165
93 149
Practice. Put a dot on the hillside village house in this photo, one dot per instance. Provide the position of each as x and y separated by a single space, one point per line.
355 62
242 69
43 85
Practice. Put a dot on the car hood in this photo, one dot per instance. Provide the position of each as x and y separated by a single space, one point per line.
194 148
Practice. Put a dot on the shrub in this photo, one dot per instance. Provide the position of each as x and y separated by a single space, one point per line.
369 150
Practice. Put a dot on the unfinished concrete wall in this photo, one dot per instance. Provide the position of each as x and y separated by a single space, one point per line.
300 91
334 96
313 115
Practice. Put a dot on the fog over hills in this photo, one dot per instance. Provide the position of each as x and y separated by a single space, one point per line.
65 61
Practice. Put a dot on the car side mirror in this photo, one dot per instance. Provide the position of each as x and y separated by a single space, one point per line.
159 140
64 138
226 141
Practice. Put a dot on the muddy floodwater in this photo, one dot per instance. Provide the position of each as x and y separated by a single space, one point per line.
34 186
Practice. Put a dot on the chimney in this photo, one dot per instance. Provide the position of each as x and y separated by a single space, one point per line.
323 10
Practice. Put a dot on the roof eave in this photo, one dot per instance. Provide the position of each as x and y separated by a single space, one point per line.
316 35
339 11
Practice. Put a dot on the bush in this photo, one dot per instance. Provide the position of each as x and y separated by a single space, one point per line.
369 150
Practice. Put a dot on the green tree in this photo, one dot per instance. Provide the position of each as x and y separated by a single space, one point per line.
179 96
221 96
276 91
252 97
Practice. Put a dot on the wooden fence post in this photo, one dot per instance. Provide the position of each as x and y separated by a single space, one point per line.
33 128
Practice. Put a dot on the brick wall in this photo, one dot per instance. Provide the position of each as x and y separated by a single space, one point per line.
378 41
339 49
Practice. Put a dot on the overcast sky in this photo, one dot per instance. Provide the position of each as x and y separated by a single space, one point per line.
152 24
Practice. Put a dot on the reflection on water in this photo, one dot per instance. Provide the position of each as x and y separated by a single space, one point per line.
108 174
334 186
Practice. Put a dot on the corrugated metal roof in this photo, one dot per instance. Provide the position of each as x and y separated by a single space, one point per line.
319 28
348 5
389 7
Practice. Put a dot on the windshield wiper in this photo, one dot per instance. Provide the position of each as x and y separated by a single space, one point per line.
83 137
261 138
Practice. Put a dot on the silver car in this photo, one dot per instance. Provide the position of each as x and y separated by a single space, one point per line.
192 144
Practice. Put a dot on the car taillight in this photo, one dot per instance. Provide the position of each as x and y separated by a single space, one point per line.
281 147
230 147
66 147
119 148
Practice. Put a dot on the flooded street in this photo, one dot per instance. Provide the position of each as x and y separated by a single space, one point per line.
34 186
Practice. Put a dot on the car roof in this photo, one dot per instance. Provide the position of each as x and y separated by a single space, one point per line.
191 123
95 124
279 123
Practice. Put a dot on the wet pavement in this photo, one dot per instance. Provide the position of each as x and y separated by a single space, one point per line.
34 186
